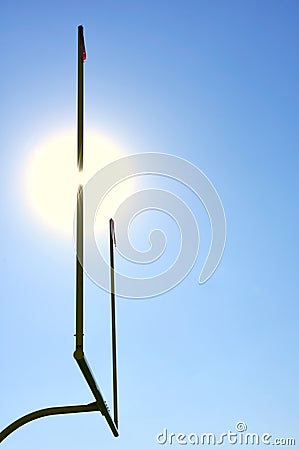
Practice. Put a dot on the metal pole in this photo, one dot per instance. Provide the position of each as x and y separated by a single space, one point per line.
80 204
44 413
113 322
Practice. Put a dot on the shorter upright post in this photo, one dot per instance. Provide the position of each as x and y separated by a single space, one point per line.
113 321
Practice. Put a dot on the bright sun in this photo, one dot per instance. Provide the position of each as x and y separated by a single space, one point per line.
52 177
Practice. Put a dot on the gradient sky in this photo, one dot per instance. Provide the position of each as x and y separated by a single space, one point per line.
216 83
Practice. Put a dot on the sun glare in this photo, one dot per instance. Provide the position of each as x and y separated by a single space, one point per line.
52 177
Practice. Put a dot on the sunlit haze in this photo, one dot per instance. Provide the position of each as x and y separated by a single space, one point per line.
52 177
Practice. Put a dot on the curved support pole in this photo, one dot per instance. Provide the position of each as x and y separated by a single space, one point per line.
46 412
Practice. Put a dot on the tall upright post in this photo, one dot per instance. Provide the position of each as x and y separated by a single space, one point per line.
113 321
80 203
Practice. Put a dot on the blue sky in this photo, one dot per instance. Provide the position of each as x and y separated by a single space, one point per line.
215 83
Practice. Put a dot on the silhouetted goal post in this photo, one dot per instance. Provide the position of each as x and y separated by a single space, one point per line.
99 404
79 350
